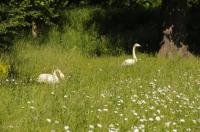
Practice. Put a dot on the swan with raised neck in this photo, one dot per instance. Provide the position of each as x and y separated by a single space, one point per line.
134 60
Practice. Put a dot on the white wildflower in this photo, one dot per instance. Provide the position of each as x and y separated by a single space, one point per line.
91 126
142 126
182 120
99 110
64 107
174 123
32 107
103 95
111 125
126 119
135 129
141 120
48 120
105 109
66 127
56 122
194 121
150 119
99 125
118 104
52 130
10 126
188 129
152 107
157 118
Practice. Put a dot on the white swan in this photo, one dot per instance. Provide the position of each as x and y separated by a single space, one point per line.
50 78
134 60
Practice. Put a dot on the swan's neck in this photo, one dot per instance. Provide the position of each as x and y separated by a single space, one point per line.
54 74
134 56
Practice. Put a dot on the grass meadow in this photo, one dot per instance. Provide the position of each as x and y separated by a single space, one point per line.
97 94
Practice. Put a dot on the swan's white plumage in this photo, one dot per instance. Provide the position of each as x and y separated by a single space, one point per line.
129 62
134 60
50 78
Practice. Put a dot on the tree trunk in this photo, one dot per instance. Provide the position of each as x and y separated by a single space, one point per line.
34 30
174 27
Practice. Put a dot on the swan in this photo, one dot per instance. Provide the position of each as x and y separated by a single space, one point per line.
134 60
50 78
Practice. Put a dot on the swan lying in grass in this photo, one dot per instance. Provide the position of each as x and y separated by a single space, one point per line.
51 78
134 60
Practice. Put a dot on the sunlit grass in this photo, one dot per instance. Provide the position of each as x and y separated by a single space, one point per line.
99 94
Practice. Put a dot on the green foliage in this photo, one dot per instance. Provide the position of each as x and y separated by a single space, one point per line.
3 70
118 3
16 15
192 3
97 31
149 3
82 33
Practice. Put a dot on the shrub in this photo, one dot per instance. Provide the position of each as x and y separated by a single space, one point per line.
3 70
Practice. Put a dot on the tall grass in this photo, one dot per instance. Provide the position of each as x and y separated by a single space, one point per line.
98 94
155 94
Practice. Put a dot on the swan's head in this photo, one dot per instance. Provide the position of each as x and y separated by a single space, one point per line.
137 45
62 76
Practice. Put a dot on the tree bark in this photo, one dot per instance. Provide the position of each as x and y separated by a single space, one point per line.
34 30
174 13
